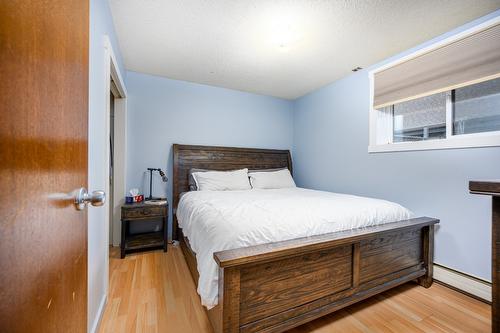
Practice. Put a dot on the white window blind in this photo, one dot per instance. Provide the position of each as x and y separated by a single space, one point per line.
472 59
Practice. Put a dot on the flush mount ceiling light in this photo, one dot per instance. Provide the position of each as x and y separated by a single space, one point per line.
284 33
281 28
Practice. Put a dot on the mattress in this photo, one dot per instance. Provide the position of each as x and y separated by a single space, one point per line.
222 220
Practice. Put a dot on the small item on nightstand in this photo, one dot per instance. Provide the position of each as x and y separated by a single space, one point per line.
155 202
134 196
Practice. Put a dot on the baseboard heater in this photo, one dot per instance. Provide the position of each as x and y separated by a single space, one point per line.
463 282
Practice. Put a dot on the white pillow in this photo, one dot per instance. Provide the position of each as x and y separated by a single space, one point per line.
222 180
271 179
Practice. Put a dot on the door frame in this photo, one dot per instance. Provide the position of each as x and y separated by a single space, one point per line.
112 71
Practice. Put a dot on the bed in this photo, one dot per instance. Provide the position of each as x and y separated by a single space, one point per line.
276 286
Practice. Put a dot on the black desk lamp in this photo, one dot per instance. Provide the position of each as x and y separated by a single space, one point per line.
163 178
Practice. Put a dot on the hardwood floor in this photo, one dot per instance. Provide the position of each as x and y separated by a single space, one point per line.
154 292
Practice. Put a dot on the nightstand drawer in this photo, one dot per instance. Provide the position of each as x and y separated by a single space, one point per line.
142 212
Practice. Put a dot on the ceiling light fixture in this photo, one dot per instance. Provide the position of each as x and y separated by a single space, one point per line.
284 35
282 28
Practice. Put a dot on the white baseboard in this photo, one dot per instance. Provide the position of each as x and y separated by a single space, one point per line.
97 319
464 282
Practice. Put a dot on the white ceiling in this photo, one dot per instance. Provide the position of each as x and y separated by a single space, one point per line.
278 48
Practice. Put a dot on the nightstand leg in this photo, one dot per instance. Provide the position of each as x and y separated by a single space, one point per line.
165 234
122 243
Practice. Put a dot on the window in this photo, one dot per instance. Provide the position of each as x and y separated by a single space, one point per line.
420 119
476 108
446 96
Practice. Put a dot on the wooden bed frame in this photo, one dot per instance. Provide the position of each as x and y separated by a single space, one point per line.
277 286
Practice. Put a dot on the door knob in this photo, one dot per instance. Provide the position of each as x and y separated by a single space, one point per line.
82 198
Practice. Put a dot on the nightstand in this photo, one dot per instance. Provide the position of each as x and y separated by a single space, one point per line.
137 213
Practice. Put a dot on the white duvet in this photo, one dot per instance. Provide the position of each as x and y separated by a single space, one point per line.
222 220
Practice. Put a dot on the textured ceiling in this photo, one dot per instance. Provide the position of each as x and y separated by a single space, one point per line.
278 48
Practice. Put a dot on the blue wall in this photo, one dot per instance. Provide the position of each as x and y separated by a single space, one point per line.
330 153
163 111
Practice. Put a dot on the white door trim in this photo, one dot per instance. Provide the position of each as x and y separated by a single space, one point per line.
120 166
112 71
120 137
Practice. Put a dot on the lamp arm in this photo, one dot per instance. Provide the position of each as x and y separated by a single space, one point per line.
163 178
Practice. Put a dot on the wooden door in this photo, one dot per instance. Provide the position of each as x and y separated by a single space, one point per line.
43 153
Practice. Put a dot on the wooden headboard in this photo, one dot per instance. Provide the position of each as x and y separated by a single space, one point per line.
220 158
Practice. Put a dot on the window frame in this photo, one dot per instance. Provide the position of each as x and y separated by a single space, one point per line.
452 141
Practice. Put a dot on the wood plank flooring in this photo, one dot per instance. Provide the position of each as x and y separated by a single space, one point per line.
154 292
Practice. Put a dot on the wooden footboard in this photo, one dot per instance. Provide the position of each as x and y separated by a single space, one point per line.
277 286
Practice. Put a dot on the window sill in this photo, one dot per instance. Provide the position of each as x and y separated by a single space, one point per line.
455 142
